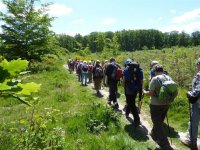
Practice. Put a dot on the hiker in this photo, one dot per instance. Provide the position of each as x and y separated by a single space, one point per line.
90 68
97 77
133 80
111 73
158 109
84 73
128 61
194 99
152 74
104 70
79 68
71 65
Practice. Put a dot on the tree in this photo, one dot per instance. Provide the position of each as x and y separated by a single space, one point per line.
184 39
196 38
26 32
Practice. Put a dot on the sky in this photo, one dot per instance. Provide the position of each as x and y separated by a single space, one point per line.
86 16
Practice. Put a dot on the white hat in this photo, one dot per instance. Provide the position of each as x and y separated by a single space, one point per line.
154 62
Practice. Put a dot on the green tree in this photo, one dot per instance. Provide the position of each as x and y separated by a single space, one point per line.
26 32
184 39
196 38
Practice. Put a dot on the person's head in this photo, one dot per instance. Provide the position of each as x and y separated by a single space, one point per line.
106 61
153 63
127 62
198 64
112 59
158 69
97 62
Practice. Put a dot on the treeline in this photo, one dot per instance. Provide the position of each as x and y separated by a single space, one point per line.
128 40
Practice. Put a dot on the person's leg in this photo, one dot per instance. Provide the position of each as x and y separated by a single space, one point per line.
112 94
82 77
86 78
128 107
134 109
158 134
193 126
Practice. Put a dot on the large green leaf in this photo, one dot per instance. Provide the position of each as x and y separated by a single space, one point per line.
4 87
29 88
15 66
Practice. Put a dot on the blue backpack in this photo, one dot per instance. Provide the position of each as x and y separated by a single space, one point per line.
133 75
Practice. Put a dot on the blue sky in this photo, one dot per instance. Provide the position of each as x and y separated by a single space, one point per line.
86 16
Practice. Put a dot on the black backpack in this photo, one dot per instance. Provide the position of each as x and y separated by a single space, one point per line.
134 73
85 68
98 72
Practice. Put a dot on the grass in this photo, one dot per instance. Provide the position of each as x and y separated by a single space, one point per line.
67 116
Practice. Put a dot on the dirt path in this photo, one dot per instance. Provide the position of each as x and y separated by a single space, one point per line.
145 126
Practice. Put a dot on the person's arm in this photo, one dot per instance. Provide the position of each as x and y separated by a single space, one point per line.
196 87
149 93
152 88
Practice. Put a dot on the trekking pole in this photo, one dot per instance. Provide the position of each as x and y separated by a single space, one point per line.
168 129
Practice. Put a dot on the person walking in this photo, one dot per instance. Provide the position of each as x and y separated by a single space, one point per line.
194 99
158 109
97 77
111 73
84 73
133 80
90 68
104 70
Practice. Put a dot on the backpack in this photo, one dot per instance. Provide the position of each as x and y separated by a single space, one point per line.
168 90
133 80
119 74
90 67
98 72
113 74
85 68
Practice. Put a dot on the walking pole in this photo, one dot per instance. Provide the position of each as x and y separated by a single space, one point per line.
168 128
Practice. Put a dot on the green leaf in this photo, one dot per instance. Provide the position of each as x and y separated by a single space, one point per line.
4 87
15 66
29 88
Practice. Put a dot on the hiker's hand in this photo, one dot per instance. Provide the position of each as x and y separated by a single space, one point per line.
189 94
145 91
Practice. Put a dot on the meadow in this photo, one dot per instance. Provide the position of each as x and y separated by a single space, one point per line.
68 116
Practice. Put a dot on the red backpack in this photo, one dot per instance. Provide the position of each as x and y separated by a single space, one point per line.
119 74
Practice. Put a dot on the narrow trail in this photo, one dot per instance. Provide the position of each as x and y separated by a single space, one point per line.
145 126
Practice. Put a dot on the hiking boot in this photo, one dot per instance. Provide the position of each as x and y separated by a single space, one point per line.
192 146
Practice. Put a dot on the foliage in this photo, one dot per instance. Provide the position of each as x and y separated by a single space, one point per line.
99 118
26 31
128 40
11 84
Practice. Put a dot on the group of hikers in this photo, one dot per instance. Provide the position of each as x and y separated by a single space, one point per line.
162 91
